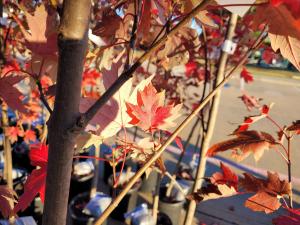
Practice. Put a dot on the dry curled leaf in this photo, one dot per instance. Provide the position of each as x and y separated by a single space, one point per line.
268 192
6 196
243 144
227 176
211 191
295 127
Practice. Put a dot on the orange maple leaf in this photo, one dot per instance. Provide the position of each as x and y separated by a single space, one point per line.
13 133
268 192
150 113
29 136
243 144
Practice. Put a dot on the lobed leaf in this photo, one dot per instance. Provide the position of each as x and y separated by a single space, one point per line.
243 144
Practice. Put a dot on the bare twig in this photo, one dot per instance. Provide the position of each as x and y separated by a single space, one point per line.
42 97
290 172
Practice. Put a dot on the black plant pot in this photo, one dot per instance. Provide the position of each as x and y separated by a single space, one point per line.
75 215
20 156
80 183
149 183
169 207
129 202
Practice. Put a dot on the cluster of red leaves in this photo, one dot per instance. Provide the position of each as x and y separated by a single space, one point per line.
14 132
267 192
89 83
150 113
36 181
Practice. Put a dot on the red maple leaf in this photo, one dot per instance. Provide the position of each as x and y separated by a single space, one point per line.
246 75
6 195
150 113
227 177
10 94
190 68
292 218
292 5
268 192
13 133
268 55
36 182
29 136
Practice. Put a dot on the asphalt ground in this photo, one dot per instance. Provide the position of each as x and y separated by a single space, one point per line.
279 87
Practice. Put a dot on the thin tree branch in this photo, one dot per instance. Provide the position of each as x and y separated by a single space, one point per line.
171 138
43 98
127 74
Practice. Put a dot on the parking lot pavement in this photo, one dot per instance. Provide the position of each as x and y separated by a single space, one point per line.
284 91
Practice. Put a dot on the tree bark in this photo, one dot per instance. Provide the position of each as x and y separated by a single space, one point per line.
72 43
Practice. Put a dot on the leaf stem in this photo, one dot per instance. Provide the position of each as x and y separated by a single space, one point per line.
290 172
282 155
277 125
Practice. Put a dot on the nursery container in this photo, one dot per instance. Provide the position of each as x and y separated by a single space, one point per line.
149 183
170 207
129 202
82 177
77 204
75 214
